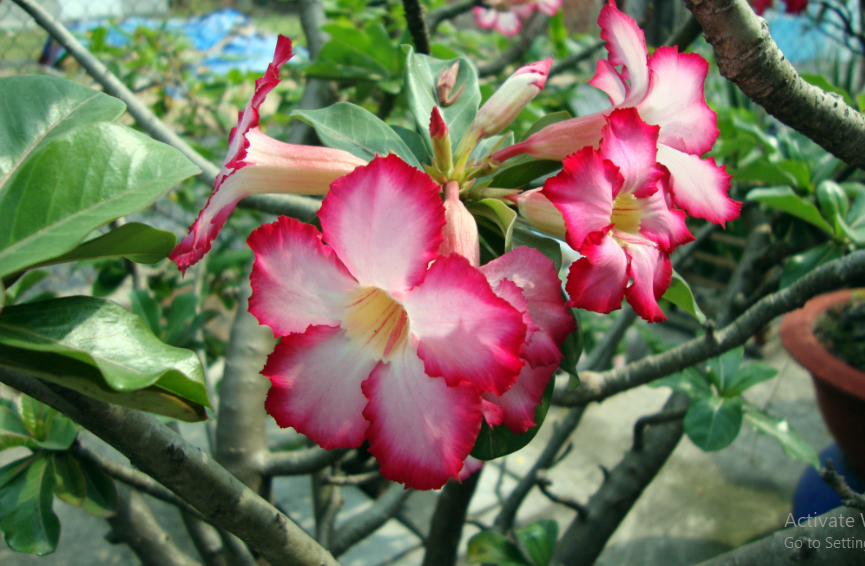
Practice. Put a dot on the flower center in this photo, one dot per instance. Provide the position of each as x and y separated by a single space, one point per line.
377 321
626 213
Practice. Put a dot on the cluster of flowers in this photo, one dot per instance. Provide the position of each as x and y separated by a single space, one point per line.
391 330
791 6
507 16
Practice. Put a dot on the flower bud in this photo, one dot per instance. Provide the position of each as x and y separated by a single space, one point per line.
441 142
461 230
504 105
541 213
446 81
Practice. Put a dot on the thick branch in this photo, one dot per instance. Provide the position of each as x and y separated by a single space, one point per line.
301 462
830 276
186 470
837 482
414 18
360 527
587 535
446 528
747 55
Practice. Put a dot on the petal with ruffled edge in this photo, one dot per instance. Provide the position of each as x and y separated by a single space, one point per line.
316 386
471 466
597 281
583 193
205 228
493 413
519 402
676 101
296 280
535 275
420 429
607 79
485 17
651 271
508 24
699 186
632 145
659 222
509 291
385 223
626 45
463 331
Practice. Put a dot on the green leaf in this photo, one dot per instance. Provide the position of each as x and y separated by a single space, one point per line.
784 199
27 517
723 369
501 214
145 306
522 172
70 485
495 442
421 75
78 182
689 381
414 142
13 431
370 48
539 541
24 284
135 241
523 236
37 109
180 314
489 547
353 129
822 82
99 349
679 293
542 123
802 264
101 493
712 423
793 444
748 376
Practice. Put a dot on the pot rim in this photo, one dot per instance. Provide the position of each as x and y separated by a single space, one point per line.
797 336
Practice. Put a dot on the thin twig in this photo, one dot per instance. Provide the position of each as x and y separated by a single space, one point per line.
575 59
355 479
300 462
837 482
361 526
449 11
544 484
536 25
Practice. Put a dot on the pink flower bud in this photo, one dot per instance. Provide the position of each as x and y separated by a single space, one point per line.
441 142
446 81
540 213
504 105
461 230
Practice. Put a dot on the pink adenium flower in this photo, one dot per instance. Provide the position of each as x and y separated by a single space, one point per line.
615 201
667 91
382 339
256 164
507 16
792 6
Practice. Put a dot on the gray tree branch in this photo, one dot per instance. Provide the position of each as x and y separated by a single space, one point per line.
360 527
448 519
299 462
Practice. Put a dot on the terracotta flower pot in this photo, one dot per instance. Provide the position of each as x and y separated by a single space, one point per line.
840 388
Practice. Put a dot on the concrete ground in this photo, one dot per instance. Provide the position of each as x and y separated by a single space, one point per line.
701 504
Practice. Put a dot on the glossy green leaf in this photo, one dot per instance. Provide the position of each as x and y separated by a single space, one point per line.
542 123
489 547
421 75
98 348
679 293
70 484
779 429
524 236
34 110
134 241
802 264
538 540
712 423
495 442
520 173
78 182
784 199
350 128
500 214
101 493
722 370
35 425
689 381
27 517
748 376
13 431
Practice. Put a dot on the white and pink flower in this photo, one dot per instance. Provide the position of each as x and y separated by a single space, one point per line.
257 164
383 339
507 17
615 202
667 91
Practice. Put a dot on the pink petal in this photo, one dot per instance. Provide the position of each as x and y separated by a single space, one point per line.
626 45
519 402
508 24
583 193
460 231
660 223
509 291
493 413
558 140
651 270
632 145
316 386
699 186
486 17
471 466
608 80
420 429
549 7
597 281
385 223
464 331
296 280
535 275
675 101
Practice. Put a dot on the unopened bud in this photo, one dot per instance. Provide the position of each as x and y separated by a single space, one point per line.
509 100
461 230
445 84
441 142
541 213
